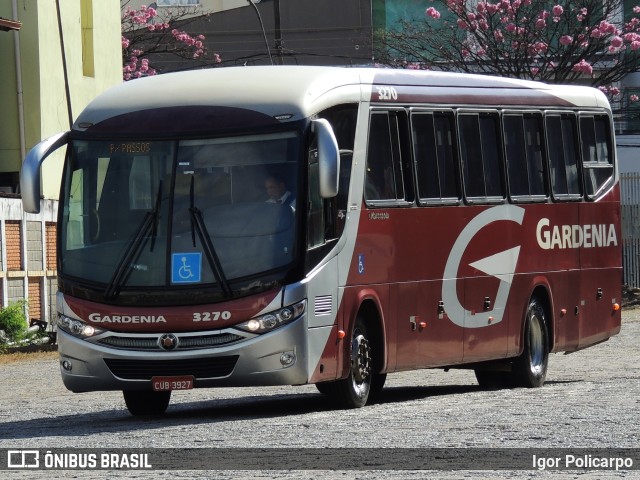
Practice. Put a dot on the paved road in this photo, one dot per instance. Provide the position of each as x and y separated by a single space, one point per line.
591 400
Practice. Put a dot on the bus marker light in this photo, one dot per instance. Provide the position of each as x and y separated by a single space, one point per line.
490 320
341 334
616 307
563 312
423 324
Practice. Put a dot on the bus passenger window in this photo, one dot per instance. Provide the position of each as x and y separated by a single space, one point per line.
491 154
535 159
561 136
480 155
384 173
595 141
434 155
470 147
514 147
523 148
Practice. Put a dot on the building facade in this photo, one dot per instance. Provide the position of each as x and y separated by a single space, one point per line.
34 106
305 32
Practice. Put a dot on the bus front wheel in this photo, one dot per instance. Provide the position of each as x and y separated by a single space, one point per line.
530 368
143 402
353 391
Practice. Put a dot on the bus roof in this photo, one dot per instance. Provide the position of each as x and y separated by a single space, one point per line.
295 92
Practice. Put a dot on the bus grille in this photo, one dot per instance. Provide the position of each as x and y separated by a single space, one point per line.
186 343
199 367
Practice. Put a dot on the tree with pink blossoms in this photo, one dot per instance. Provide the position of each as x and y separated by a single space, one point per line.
591 42
148 32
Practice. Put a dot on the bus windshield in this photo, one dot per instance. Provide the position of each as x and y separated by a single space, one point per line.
139 214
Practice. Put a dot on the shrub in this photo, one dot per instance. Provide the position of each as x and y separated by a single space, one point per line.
14 322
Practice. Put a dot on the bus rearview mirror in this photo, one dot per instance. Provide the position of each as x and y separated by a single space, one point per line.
328 158
30 171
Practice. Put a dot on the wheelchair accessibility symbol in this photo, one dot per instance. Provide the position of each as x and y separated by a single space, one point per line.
186 267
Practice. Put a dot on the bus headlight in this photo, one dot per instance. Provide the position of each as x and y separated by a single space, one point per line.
76 328
269 321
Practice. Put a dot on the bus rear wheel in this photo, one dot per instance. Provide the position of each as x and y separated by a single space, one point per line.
530 368
143 402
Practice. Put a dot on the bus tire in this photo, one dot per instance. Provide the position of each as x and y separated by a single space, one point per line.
353 391
530 368
144 402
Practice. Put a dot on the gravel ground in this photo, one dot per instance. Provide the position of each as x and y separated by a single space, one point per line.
590 400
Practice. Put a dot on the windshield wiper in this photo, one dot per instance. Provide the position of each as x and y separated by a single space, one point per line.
149 222
198 225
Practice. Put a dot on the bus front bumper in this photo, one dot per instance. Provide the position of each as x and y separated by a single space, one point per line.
275 358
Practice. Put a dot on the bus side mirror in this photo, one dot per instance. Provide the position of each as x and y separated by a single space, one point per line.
30 171
328 158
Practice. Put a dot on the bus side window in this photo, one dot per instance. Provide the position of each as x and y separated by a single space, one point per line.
384 176
561 136
595 141
514 149
479 139
432 134
535 157
524 159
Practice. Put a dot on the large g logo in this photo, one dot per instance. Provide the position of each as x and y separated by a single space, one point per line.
502 265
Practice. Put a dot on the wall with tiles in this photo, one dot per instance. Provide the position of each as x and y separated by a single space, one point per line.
28 257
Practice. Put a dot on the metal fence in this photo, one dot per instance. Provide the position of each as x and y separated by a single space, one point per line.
630 205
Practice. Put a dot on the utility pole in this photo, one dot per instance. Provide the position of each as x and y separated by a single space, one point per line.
278 33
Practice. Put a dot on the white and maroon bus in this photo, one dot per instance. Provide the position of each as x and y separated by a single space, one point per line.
431 220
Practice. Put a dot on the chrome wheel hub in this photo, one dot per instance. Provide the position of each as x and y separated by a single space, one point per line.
360 359
536 346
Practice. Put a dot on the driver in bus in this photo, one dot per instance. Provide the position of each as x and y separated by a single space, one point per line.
277 192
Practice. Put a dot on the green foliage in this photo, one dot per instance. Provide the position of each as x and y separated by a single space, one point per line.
13 322
14 328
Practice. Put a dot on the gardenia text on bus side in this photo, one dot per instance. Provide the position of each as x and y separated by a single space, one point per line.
575 236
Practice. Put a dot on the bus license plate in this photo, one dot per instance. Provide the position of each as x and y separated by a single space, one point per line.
163 384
